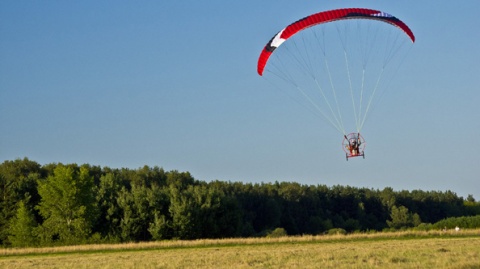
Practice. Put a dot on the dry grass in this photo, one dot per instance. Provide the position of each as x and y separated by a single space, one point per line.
380 250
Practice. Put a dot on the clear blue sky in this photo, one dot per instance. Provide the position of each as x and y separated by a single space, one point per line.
174 84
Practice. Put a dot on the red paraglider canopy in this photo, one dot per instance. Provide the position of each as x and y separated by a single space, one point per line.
324 17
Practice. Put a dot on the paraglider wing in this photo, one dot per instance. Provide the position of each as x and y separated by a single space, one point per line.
325 17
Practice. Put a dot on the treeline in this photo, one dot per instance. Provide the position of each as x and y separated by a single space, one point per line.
58 204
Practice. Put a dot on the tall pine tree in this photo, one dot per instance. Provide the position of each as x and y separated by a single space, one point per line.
22 227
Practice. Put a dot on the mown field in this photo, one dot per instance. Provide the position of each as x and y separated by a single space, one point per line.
379 250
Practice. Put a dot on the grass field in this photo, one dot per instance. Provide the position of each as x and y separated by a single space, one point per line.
379 250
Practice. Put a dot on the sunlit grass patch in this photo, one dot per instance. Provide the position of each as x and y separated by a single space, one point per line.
377 250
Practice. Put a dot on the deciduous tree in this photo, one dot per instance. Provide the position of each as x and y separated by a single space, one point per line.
67 204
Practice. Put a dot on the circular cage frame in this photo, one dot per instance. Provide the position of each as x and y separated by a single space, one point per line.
346 146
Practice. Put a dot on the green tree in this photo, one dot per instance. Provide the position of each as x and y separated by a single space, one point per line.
158 201
228 218
22 227
388 197
472 208
67 205
136 213
196 212
17 180
159 228
108 222
183 210
179 180
401 218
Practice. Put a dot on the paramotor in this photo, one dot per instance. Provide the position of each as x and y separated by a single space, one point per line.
337 63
